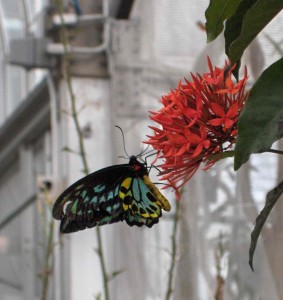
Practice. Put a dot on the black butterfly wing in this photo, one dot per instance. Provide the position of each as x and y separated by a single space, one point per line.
92 201
113 194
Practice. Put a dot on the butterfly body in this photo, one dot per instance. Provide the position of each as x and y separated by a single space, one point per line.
113 194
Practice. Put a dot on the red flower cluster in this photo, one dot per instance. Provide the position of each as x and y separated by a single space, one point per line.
198 123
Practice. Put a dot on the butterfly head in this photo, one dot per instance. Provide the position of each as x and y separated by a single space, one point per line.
138 167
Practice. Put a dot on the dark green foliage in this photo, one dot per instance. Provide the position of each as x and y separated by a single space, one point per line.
271 200
259 123
217 12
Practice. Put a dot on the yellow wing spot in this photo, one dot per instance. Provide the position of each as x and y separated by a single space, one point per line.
146 216
126 191
153 216
127 182
164 203
125 207
125 187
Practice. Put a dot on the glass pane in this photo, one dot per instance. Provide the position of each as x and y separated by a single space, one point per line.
13 13
2 91
11 271
35 7
35 11
19 18
10 260
175 33
15 87
14 17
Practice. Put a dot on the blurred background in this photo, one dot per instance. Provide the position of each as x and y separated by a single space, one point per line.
125 54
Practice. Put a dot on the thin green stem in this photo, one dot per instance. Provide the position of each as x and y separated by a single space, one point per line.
47 267
64 39
102 263
173 253
220 282
275 151
68 76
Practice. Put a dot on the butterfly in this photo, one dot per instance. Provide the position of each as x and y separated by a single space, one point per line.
113 194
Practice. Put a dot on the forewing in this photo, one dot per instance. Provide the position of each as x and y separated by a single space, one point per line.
92 201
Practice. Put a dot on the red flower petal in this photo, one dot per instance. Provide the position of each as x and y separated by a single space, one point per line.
233 110
196 120
216 122
218 110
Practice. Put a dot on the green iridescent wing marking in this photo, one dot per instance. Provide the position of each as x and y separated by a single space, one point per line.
107 196
139 203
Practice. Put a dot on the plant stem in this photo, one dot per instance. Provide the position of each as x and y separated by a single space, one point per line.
174 252
81 142
68 76
48 254
275 151
102 263
220 282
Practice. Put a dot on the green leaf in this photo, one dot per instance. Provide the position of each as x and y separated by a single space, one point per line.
271 199
116 273
234 24
252 19
261 120
217 12
233 28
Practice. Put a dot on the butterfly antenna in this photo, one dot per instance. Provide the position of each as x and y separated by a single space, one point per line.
153 166
124 145
149 155
142 152
165 184
122 156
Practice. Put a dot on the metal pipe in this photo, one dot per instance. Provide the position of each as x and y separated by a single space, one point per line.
58 48
72 19
53 94
15 213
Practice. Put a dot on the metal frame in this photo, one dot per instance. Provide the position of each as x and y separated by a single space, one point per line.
58 48
29 120
5 50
